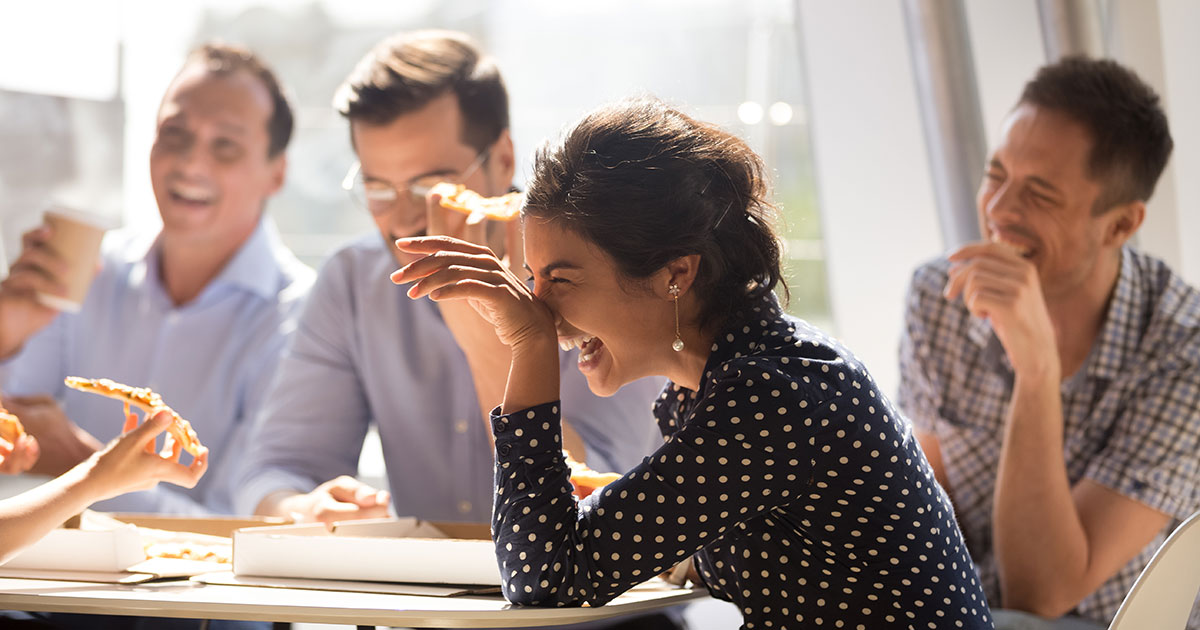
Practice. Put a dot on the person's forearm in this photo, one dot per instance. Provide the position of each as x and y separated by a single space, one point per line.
533 375
487 358
30 515
1040 543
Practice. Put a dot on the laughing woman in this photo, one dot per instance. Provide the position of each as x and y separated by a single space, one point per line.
794 483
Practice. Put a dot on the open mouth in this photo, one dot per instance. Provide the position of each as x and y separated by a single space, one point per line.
1024 251
186 195
590 349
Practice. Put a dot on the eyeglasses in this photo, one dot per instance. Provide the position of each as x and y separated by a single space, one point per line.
380 197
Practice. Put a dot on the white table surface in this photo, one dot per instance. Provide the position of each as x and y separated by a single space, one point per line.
189 599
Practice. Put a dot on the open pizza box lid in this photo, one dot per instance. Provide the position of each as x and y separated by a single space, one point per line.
112 548
403 550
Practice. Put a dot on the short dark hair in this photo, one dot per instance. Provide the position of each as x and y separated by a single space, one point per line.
405 72
223 59
1131 141
648 184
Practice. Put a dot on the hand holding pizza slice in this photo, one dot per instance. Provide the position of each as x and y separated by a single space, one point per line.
19 450
458 197
11 428
180 430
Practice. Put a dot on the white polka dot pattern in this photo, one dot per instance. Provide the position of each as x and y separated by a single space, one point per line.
804 497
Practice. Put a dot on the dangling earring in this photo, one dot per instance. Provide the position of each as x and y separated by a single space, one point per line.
676 345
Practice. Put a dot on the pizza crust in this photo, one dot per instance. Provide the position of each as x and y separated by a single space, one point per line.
460 198
146 400
586 480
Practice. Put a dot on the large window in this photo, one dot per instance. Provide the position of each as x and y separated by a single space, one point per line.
735 64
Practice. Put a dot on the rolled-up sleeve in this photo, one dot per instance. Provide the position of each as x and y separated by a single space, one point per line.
1153 454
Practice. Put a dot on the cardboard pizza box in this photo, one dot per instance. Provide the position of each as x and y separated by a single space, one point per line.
101 547
91 550
209 525
376 550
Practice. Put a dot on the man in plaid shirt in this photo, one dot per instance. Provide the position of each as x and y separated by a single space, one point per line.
1051 371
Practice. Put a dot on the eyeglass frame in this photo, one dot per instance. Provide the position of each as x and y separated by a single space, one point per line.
392 193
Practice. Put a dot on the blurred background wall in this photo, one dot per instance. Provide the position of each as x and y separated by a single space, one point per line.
827 91
834 94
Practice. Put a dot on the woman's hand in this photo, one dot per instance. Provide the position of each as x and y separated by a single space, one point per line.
453 269
129 462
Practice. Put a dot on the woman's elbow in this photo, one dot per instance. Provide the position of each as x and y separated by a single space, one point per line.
524 593
542 594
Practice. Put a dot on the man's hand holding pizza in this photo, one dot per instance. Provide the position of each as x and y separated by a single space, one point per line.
487 357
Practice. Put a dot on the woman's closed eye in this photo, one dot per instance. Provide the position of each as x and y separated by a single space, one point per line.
529 279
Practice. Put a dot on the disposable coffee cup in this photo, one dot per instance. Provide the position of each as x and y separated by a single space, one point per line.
75 237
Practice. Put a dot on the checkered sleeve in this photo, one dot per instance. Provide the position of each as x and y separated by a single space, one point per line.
1153 454
918 393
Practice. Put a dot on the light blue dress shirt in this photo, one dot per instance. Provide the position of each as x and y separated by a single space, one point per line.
365 353
210 359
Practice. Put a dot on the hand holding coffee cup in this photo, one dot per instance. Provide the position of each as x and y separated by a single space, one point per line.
75 239
57 263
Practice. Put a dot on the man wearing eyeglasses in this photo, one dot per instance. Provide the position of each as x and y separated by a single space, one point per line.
423 108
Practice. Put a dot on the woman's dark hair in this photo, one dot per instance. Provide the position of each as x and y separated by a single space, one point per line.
1131 141
648 184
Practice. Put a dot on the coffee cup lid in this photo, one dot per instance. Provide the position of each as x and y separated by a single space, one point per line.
87 218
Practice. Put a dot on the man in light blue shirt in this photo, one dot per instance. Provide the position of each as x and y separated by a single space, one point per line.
423 373
198 312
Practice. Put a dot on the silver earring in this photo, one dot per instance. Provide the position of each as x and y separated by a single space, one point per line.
676 345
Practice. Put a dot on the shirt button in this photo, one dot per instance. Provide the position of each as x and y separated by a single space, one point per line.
460 426
464 507
501 426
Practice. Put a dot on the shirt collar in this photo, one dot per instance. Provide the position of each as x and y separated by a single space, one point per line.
1112 348
254 267
742 334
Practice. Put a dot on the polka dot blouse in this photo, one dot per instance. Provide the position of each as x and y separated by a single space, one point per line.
802 494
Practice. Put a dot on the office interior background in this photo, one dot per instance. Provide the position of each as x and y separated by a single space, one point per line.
873 116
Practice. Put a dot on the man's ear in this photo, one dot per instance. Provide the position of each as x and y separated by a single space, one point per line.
681 272
502 163
278 173
1123 223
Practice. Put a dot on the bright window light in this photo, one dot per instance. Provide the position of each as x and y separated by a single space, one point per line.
750 113
780 113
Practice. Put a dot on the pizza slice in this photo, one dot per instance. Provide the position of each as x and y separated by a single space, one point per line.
11 429
459 197
160 543
586 480
144 399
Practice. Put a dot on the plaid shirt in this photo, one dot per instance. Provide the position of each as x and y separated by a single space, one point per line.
1131 413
